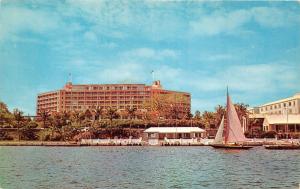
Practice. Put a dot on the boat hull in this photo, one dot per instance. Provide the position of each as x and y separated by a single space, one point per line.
226 146
282 147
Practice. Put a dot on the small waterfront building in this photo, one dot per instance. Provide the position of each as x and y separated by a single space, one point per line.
156 135
286 126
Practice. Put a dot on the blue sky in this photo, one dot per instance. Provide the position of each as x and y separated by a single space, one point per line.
194 46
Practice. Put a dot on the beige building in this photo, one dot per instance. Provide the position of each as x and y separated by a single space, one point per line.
281 116
289 105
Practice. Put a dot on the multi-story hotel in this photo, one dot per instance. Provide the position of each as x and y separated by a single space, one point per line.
289 105
118 96
281 116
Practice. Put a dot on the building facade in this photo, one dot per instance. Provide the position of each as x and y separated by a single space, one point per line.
281 116
289 105
117 96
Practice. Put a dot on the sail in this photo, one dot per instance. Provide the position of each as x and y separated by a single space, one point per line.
234 132
219 135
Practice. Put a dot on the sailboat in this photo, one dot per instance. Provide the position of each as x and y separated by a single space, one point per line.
230 135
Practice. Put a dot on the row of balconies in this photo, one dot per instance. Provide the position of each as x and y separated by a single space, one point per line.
104 102
107 93
105 98
91 107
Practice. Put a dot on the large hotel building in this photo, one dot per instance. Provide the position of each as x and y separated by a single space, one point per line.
118 96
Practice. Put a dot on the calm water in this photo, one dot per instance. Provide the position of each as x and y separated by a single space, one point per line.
147 167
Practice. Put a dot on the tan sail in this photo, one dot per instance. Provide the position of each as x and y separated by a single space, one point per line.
234 132
219 136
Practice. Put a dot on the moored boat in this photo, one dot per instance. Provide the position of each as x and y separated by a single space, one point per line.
283 147
230 136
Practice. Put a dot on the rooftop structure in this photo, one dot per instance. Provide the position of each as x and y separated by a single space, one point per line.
174 130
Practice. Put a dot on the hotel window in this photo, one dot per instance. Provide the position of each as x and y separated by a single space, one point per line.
290 103
284 105
294 103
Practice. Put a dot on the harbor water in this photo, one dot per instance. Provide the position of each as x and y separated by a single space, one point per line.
147 167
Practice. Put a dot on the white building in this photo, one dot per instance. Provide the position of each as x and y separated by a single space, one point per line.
289 105
174 135
281 116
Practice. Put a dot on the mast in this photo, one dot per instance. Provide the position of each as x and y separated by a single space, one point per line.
227 116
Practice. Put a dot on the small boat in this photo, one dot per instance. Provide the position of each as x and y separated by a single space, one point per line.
230 136
283 147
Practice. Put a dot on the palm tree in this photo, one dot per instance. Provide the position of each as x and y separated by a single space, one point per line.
98 112
219 112
65 117
112 114
45 116
18 116
208 119
241 110
131 112
76 118
5 116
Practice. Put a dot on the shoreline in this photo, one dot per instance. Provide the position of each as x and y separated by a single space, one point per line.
38 143
72 144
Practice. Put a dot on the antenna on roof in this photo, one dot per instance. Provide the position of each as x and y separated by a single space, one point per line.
70 78
152 72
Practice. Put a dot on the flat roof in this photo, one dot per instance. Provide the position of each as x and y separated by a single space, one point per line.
174 130
296 96
283 119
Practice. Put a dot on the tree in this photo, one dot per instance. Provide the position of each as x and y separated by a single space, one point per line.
112 114
131 113
27 132
44 116
76 118
219 113
208 119
241 110
99 111
18 117
6 117
197 115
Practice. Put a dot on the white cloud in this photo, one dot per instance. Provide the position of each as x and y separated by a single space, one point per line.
16 20
233 22
129 72
220 22
148 53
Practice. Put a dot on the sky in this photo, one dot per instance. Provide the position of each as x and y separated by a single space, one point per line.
194 46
